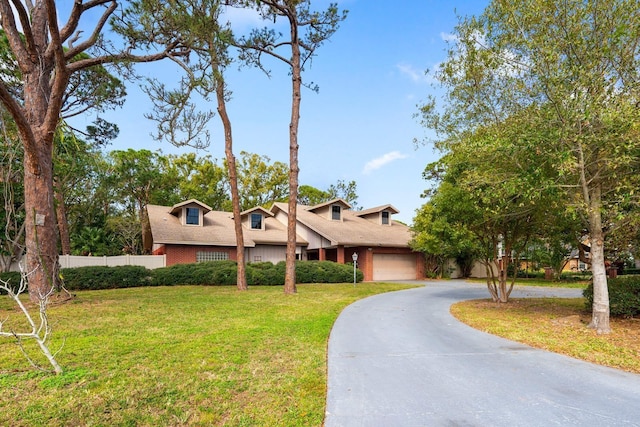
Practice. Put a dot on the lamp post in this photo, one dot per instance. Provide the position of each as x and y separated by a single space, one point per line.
354 257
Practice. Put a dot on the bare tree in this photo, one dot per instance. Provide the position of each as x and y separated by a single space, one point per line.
40 331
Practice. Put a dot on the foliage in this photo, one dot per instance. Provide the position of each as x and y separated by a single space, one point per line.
325 272
311 196
260 182
264 273
624 296
94 241
216 273
441 237
101 277
552 88
189 176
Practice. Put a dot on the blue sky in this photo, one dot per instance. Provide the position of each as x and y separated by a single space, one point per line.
359 126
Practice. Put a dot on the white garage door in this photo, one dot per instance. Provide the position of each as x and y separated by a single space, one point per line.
394 267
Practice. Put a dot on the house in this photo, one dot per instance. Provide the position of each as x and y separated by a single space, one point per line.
334 232
191 232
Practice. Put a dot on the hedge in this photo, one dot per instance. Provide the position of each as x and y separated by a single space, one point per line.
101 277
624 296
258 274
205 273
216 273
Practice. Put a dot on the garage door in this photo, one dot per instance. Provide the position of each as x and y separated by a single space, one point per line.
394 267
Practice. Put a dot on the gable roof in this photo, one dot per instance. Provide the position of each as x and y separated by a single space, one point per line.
218 229
377 209
175 209
330 202
353 230
258 209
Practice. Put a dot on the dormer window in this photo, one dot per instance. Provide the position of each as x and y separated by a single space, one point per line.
336 212
256 221
385 218
192 216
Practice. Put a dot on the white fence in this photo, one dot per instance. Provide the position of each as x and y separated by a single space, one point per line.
71 261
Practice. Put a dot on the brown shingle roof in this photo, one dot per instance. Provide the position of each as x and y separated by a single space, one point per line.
217 230
352 230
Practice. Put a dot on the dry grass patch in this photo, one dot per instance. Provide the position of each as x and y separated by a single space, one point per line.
558 325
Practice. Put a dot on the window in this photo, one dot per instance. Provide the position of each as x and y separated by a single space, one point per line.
385 217
335 212
193 216
203 256
257 258
256 221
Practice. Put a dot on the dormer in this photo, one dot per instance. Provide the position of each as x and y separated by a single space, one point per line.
380 215
191 213
331 210
254 219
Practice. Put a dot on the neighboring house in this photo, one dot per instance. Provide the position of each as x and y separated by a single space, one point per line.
335 233
191 232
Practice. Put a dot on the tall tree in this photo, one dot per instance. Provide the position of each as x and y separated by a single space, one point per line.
93 89
36 39
572 69
199 23
260 181
191 177
136 176
308 30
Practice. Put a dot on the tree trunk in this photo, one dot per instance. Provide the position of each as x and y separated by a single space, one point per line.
601 312
40 237
593 200
63 224
241 279
147 239
296 81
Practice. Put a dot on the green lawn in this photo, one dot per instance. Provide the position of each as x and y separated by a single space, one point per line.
180 355
580 284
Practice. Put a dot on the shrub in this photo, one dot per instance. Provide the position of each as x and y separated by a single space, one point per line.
624 296
200 273
266 273
258 274
101 277
325 272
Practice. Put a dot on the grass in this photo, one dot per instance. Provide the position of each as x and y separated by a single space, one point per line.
581 284
180 356
558 325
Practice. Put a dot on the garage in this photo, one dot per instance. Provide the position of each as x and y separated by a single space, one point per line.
394 267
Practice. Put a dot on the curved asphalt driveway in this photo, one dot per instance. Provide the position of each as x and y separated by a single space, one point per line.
400 359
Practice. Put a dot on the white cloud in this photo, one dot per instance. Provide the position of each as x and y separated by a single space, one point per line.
381 161
415 75
242 18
